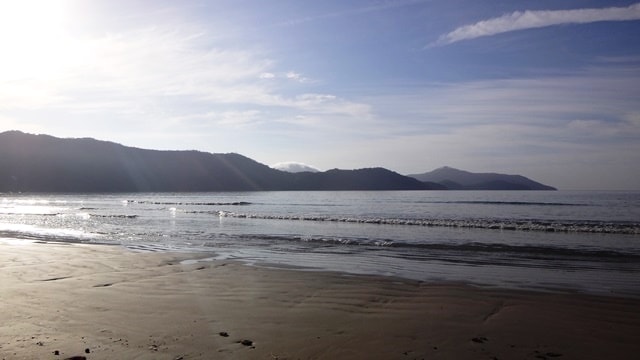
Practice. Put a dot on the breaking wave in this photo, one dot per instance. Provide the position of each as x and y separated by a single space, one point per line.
234 203
519 203
495 224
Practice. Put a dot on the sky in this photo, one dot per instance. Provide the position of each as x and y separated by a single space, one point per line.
546 89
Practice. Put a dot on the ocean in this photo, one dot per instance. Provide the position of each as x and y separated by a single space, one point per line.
535 240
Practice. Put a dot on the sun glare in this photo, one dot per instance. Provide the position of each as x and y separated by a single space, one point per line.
33 38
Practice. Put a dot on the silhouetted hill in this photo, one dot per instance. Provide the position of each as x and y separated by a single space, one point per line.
42 163
361 179
455 179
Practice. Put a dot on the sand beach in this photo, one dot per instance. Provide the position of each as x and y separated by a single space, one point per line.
61 301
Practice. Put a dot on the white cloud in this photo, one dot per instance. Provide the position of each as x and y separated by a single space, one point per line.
530 19
289 75
267 75
596 93
154 76
374 7
294 167
292 75
151 64
330 104
236 118
214 119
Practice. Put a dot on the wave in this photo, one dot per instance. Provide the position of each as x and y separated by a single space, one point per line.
27 232
484 202
581 226
116 216
531 252
30 213
119 216
234 203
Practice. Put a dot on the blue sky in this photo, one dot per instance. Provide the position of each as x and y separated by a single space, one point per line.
547 89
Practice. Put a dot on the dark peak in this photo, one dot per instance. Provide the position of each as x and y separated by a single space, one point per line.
460 179
12 132
448 169
447 173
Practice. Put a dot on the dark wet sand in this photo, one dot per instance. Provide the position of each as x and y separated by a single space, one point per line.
99 302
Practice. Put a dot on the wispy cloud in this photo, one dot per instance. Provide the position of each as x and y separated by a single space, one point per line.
376 6
289 75
588 117
292 75
217 119
162 73
267 75
598 93
530 19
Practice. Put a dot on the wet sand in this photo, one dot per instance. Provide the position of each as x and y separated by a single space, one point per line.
58 301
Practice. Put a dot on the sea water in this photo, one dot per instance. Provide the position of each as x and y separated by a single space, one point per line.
549 240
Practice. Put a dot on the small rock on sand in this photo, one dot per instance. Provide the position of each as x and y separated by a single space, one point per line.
480 339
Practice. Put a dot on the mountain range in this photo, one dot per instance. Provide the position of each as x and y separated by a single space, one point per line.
454 179
43 163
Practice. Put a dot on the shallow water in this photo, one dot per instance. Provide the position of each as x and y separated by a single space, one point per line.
583 241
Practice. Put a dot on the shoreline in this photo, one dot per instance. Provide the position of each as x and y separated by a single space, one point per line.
116 303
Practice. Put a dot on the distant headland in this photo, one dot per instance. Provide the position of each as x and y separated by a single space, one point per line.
43 163
454 179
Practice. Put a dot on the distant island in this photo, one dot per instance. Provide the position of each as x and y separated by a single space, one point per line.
43 163
454 179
